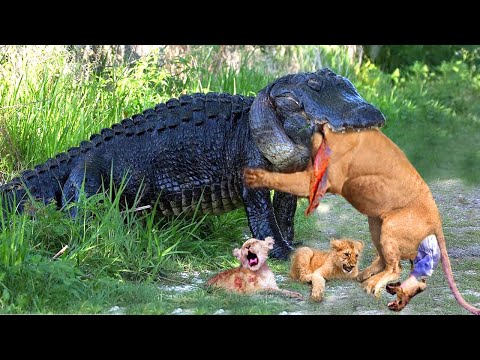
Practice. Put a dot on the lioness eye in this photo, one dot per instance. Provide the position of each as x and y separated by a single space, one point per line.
346 254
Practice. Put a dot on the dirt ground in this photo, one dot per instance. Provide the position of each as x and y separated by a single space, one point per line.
459 206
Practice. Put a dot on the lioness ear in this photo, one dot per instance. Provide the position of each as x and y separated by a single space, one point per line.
237 253
269 241
336 244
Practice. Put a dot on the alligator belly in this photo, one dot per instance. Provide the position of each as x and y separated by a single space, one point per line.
216 198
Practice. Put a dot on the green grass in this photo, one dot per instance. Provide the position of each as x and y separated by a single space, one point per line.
141 262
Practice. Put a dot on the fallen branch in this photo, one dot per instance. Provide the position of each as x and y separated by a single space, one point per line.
139 208
62 250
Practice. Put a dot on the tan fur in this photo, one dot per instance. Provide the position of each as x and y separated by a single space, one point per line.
316 266
375 176
248 279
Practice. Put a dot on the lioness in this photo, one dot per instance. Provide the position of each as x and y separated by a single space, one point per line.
375 176
253 274
318 266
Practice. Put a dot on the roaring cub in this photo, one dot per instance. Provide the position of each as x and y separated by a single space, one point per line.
253 274
317 266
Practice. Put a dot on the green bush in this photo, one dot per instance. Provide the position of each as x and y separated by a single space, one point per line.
391 57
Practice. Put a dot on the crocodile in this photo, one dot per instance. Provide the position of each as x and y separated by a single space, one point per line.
189 152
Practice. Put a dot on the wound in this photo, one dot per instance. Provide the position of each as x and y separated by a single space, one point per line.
238 283
318 177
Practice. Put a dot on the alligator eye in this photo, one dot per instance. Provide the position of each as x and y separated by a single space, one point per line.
288 102
314 84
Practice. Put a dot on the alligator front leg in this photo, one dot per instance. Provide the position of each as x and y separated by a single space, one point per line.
262 222
86 176
284 207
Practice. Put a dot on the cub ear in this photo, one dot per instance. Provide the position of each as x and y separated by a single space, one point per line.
237 253
269 241
336 244
360 245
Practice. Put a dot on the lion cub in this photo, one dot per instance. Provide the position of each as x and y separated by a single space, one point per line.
253 274
317 266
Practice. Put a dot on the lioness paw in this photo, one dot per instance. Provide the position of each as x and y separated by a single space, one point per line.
254 177
372 286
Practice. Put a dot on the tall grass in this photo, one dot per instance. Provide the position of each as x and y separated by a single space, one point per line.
49 102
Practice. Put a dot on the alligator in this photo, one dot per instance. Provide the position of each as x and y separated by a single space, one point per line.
189 153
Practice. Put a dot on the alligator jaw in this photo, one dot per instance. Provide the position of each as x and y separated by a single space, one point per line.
340 129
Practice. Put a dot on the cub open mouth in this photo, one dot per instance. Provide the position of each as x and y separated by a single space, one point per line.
347 268
252 259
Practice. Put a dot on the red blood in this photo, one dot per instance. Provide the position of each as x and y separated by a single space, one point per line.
318 180
238 282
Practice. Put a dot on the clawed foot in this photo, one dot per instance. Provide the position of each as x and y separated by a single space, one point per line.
367 273
375 284
372 286
405 292
254 177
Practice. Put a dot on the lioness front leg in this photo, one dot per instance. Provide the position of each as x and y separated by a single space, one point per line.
295 183
318 285
390 252
375 227
375 267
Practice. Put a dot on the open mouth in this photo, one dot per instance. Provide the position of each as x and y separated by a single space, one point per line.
252 259
339 129
347 269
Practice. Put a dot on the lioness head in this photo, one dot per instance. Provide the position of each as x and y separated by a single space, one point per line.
347 253
254 252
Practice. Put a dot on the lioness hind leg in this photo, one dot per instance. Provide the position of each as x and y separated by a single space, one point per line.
300 269
318 285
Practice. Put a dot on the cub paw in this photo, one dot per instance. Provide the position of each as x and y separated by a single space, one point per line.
306 278
317 295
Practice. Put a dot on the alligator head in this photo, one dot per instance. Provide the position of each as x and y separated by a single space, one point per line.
284 114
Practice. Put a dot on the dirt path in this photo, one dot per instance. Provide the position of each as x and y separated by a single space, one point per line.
459 206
